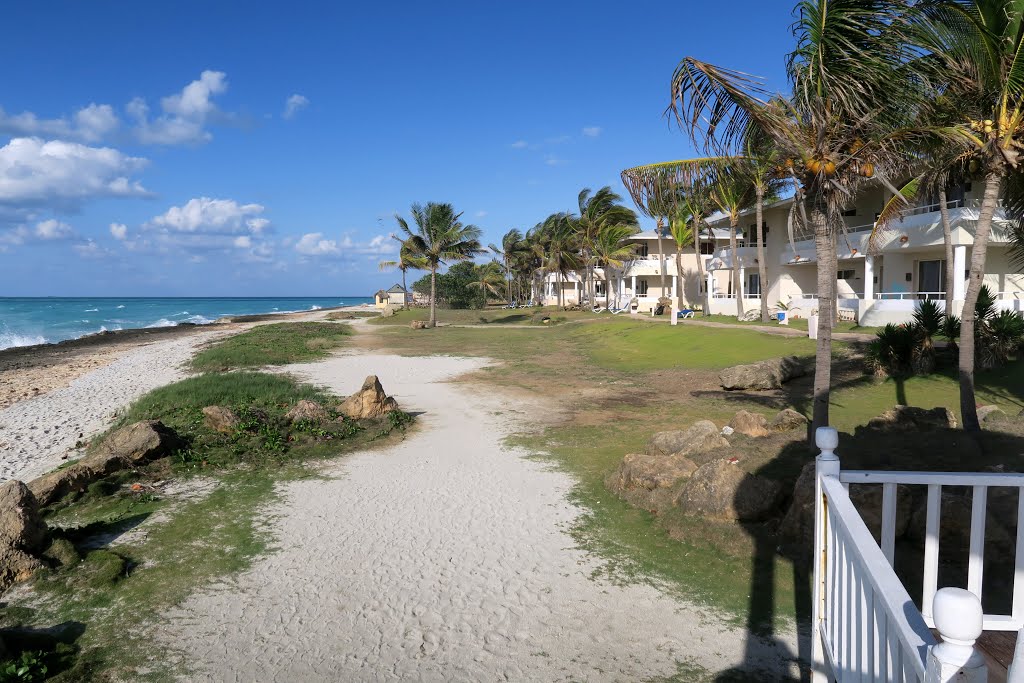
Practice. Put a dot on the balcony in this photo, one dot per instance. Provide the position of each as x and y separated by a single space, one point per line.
722 259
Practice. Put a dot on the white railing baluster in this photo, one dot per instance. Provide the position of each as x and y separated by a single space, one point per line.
889 522
931 551
826 464
1015 674
976 560
1018 564
865 625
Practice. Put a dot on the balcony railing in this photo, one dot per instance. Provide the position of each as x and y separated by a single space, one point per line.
919 296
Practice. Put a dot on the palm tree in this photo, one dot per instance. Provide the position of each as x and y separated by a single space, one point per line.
682 228
562 249
842 124
733 192
597 210
439 238
976 52
489 278
761 160
406 261
512 245
612 251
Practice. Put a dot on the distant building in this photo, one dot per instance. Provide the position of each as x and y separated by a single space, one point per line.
395 296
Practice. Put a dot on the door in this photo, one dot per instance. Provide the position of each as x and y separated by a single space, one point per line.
931 279
753 286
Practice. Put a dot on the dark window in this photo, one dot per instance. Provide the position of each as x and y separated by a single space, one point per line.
751 236
846 275
754 284
707 247
850 212
641 288
643 250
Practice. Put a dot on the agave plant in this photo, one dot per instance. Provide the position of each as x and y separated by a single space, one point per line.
893 350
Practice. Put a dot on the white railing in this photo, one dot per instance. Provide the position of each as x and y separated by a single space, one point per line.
865 227
929 208
865 627
719 295
917 296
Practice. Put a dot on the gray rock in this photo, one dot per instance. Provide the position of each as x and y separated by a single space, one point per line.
308 411
763 376
721 490
986 413
786 420
912 417
650 472
701 437
750 424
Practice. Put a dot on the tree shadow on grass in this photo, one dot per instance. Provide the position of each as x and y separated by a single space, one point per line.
53 647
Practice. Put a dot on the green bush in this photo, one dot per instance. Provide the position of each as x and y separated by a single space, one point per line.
454 288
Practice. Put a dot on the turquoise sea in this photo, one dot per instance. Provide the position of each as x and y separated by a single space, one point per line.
26 321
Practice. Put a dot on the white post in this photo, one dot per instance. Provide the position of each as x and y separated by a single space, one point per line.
675 314
632 285
578 290
741 283
674 290
869 278
622 291
959 266
958 619
826 465
711 283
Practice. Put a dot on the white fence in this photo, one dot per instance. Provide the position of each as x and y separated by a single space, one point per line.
865 627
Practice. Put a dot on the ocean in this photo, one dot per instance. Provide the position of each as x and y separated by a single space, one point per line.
27 321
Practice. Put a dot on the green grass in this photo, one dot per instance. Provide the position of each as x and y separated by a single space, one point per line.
794 323
486 316
633 345
276 344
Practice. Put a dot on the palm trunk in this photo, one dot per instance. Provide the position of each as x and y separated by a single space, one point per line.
968 407
825 248
700 271
558 283
433 297
733 224
607 291
405 294
661 256
947 240
680 283
762 267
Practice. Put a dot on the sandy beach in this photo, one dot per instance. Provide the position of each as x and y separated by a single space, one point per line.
443 558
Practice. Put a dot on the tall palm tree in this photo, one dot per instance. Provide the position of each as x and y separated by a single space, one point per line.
734 193
489 278
512 246
406 261
762 164
682 229
612 251
976 49
597 210
439 238
562 249
842 124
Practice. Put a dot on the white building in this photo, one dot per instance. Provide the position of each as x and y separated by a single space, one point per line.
908 265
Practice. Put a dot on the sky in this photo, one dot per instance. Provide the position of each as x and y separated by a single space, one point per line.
263 149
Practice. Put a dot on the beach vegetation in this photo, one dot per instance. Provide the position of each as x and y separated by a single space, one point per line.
456 288
274 344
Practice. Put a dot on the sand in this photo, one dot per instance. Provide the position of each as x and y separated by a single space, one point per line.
443 558
37 434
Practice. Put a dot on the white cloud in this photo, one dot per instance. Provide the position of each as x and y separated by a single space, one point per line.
119 231
211 216
592 131
520 144
294 104
313 244
14 236
479 214
185 114
89 249
53 229
552 160
34 172
89 124
243 242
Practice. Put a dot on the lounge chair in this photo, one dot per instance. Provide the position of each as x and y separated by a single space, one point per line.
685 313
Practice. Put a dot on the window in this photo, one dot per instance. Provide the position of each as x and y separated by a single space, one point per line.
707 247
642 250
599 288
641 288
850 212
753 285
751 235
846 275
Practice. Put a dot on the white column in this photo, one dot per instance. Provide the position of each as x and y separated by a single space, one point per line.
959 266
869 278
577 290
740 285
674 285
711 283
632 284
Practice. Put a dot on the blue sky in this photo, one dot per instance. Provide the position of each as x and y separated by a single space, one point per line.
248 149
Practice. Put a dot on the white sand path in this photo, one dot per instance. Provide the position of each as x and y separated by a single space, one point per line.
443 558
37 433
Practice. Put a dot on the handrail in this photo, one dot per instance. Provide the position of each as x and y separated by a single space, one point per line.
850 540
916 296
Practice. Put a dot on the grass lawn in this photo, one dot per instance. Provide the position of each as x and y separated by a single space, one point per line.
794 323
276 344
494 315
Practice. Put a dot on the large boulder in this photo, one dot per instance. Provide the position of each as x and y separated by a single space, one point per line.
797 526
701 437
369 402
129 446
912 417
23 534
750 424
786 420
419 324
21 526
990 412
308 411
955 526
220 419
140 441
762 376
721 490
650 472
